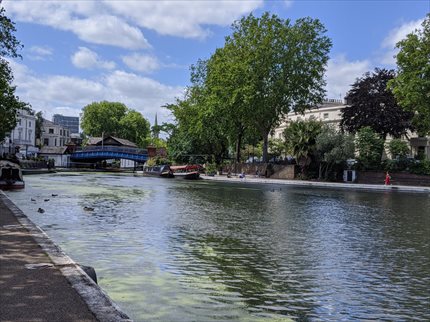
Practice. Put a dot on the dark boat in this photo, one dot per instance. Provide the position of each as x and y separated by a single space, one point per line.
163 171
189 172
10 175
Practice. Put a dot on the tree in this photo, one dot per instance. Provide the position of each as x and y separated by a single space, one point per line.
113 118
370 146
411 86
300 139
281 67
372 104
39 126
9 102
333 148
198 130
276 147
104 117
134 127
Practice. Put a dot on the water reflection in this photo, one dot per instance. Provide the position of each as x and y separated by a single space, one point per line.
171 250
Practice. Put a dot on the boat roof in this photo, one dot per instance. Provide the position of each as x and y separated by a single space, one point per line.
8 164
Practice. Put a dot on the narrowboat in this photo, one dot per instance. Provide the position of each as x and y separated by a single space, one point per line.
189 172
163 171
10 175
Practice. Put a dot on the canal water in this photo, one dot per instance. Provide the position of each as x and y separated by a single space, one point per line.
171 250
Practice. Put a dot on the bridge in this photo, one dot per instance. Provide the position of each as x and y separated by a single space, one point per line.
99 153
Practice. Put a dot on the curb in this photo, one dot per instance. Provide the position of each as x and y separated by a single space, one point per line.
98 302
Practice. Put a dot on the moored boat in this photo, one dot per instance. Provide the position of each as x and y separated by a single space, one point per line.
163 171
189 172
10 175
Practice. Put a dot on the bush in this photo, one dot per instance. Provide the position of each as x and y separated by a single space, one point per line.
421 167
370 147
398 148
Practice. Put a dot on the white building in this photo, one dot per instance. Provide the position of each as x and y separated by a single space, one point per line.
328 112
59 154
54 134
331 112
23 136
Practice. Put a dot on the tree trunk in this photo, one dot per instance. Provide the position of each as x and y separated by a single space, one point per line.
265 147
238 145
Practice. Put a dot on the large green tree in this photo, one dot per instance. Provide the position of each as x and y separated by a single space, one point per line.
198 130
9 102
411 86
114 118
372 104
281 68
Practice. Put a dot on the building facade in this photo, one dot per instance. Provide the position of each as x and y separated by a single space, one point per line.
69 122
22 138
54 134
329 112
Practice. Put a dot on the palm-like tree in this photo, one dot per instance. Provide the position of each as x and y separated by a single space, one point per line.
300 138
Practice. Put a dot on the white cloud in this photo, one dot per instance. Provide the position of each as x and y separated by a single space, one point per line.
57 92
395 35
183 18
341 74
86 58
40 53
288 4
141 63
116 22
89 20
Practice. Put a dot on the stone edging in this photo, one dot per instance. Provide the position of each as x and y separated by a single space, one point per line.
334 185
98 302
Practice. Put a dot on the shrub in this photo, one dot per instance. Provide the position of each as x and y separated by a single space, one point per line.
421 167
398 148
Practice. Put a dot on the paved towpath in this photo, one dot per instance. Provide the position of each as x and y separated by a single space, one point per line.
332 185
38 287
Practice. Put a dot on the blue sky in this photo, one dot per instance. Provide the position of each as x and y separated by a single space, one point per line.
139 52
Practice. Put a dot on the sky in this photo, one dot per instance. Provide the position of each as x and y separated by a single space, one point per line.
140 52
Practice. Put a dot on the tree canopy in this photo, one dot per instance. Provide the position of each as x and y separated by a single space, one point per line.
9 102
372 104
282 67
114 118
411 86
267 67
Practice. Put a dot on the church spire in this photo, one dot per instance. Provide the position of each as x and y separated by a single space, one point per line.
155 128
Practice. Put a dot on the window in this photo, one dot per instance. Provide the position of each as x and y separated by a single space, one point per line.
61 132
325 116
55 142
51 131
19 121
29 124
46 142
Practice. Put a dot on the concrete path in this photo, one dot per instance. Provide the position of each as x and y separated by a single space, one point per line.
38 282
332 185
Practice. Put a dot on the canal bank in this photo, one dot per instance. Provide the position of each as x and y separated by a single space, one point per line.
39 281
318 184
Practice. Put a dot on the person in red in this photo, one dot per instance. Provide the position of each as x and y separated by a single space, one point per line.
387 179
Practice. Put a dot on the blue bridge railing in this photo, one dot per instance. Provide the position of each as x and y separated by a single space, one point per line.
110 152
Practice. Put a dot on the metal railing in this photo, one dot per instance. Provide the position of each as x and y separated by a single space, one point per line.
111 148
